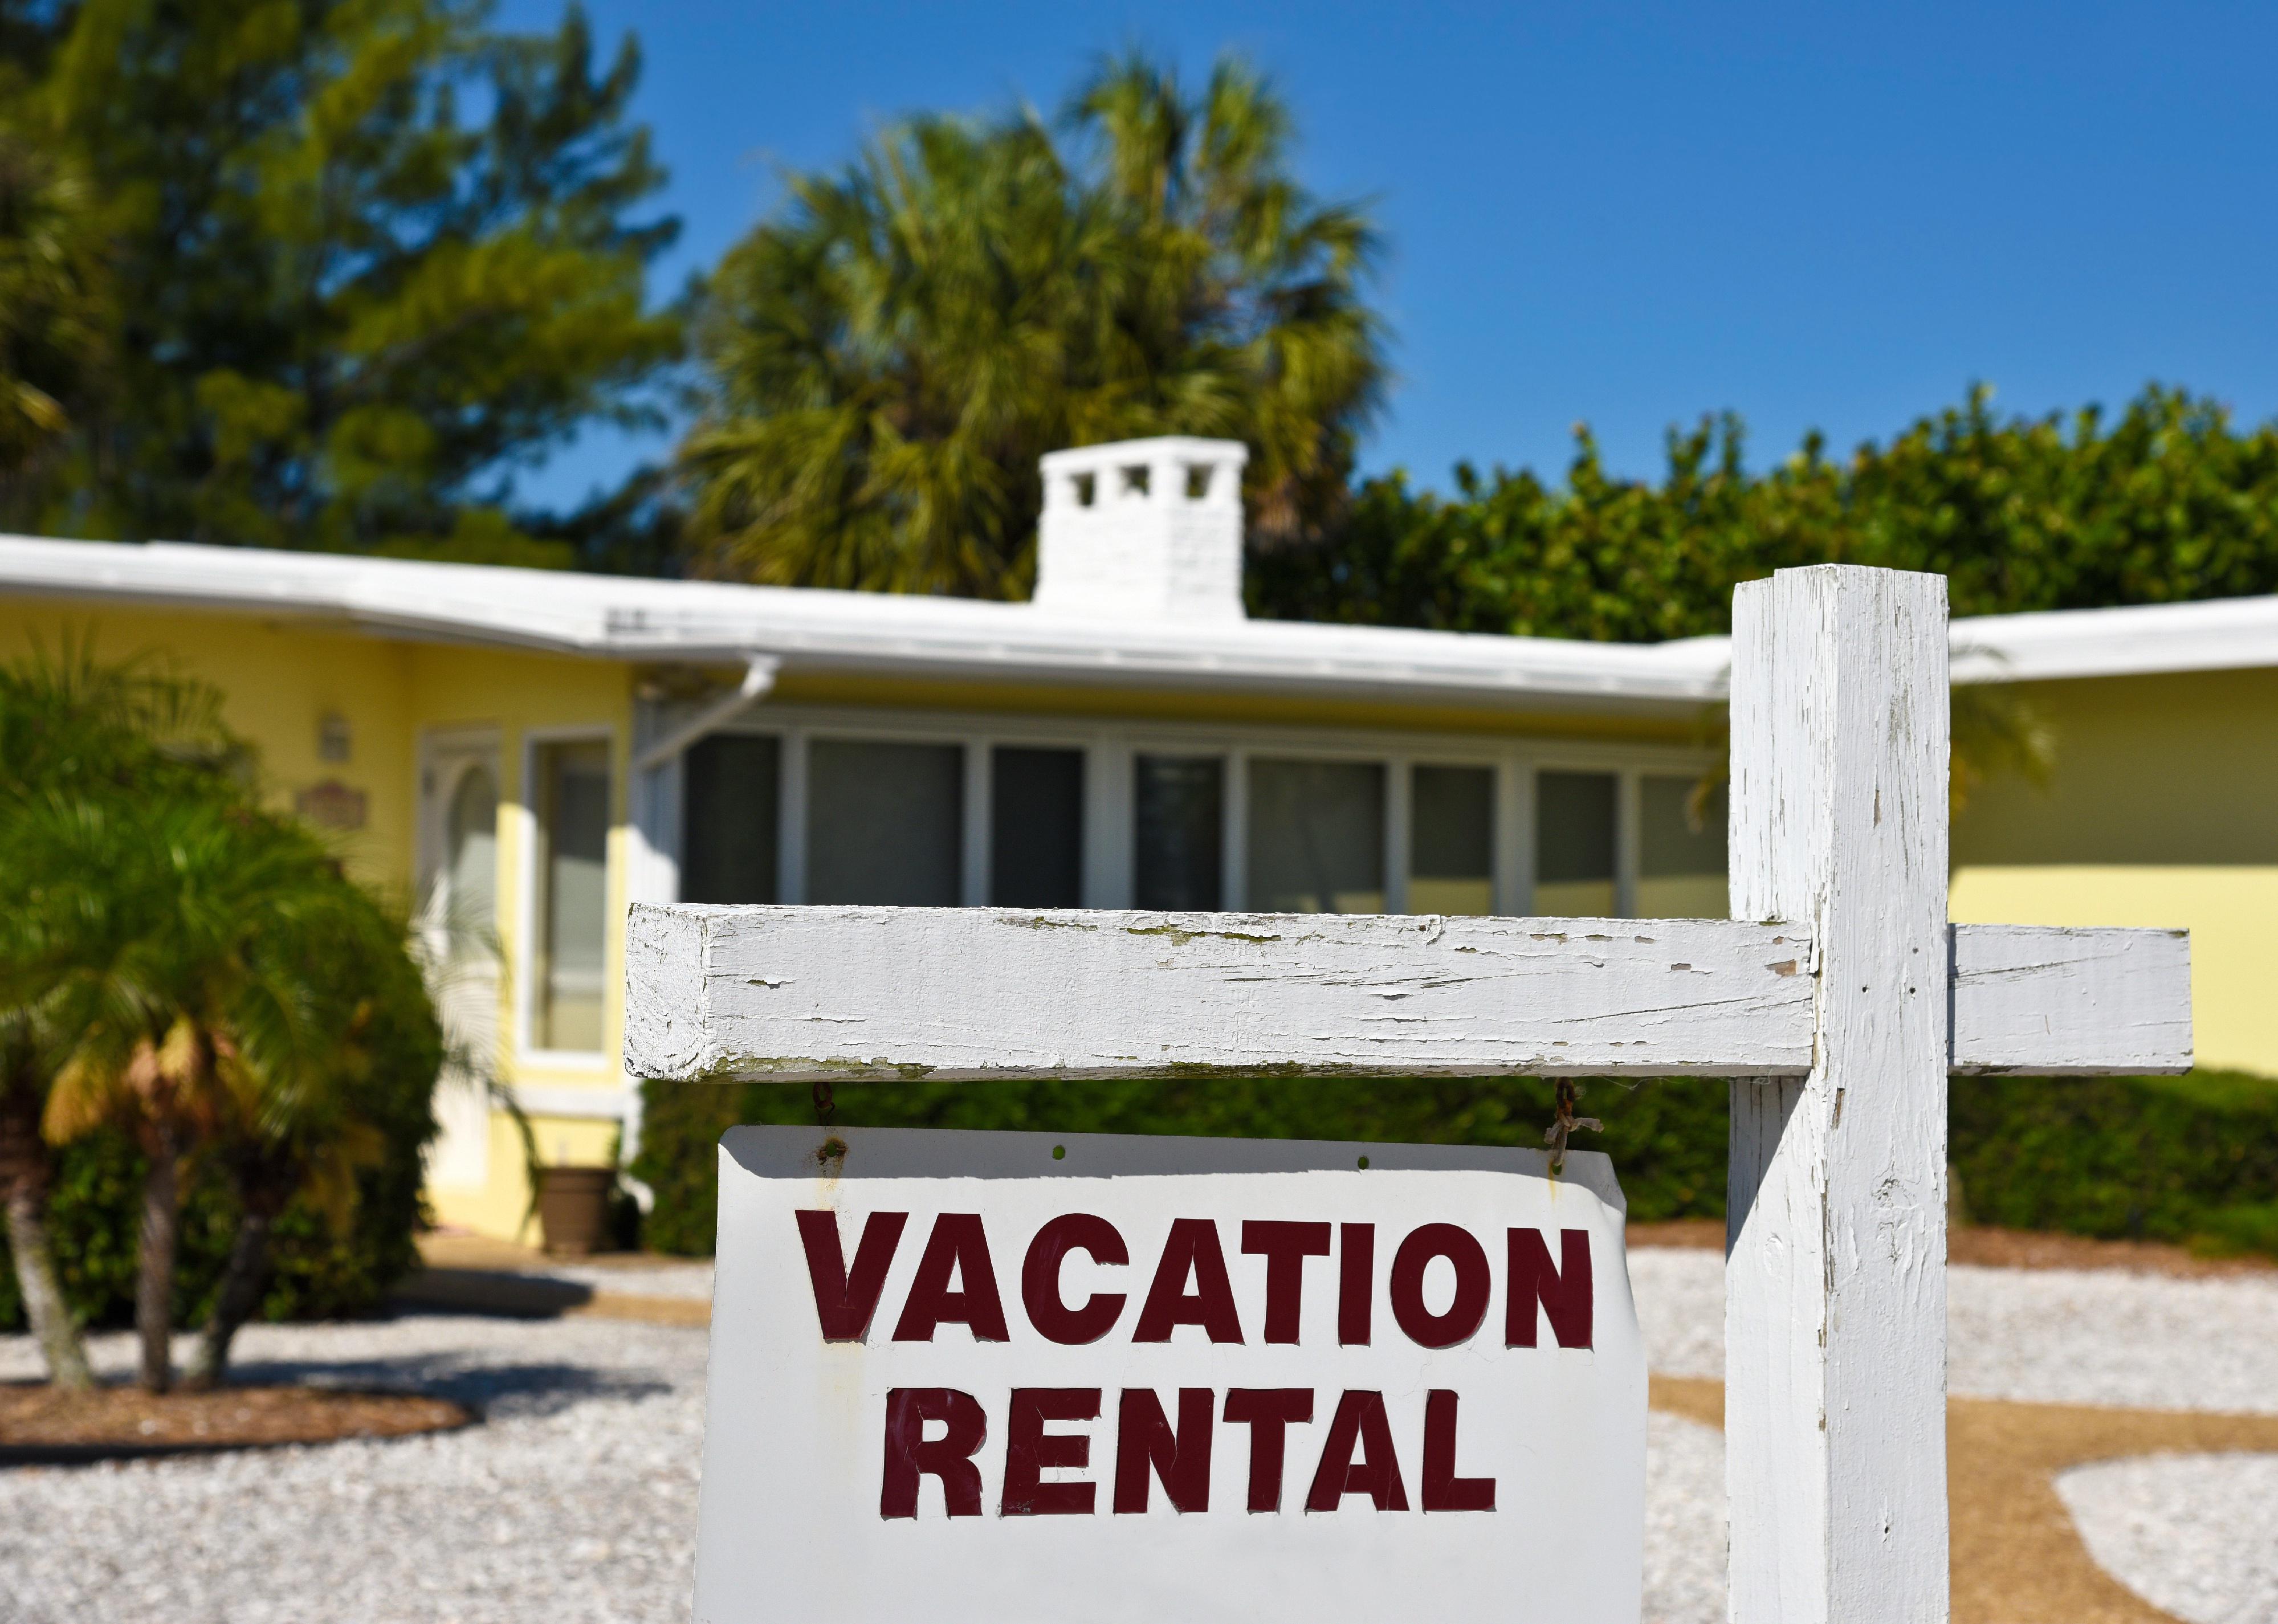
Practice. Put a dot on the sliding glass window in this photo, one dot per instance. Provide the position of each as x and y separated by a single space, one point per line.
1451 840
885 823
1681 855
1036 835
1316 836
730 789
1574 837
572 806
1179 816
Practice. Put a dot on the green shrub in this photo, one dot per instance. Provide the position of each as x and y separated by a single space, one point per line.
2191 1159
93 1212
1667 1138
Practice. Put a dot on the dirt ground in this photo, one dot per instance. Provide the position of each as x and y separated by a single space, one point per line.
41 1421
2017 1559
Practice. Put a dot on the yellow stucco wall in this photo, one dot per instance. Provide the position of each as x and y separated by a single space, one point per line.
277 680
2163 810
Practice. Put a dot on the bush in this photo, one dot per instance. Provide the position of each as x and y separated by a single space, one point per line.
1667 1137
93 1212
2191 1159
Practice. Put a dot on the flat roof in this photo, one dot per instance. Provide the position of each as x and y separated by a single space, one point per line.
811 630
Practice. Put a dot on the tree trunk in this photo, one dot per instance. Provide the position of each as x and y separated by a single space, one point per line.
154 1288
43 1300
23 1170
240 1290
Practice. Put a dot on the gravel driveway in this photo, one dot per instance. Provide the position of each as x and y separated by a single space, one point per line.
575 1501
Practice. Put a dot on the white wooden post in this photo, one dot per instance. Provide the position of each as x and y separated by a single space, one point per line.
1835 1273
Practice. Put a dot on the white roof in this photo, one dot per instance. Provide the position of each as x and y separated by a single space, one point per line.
809 629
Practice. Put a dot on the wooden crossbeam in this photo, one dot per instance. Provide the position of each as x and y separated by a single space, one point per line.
809 993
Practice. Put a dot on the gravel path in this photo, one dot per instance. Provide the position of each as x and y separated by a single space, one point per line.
2195 1534
576 1500
2048 1337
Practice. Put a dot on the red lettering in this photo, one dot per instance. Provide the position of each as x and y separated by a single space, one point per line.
910 1454
1472 1284
1040 1278
1285 1246
1355 1282
1267 1411
1565 1292
1443 1490
1191 1248
960 1248
844 1300
1029 1449
1359 1424
1146 1447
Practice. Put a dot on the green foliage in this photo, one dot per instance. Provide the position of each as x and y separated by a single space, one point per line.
2169 502
1666 1137
888 358
180 968
2191 1159
56 310
2188 1159
317 1271
350 309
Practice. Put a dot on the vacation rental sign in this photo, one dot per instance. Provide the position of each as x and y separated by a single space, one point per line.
1018 1377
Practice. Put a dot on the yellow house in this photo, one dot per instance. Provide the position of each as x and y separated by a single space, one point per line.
524 753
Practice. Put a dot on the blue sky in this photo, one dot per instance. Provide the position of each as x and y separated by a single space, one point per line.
1830 216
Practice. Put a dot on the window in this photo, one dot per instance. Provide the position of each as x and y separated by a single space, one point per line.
885 823
1681 855
573 853
1451 840
1316 836
1574 843
1179 804
728 849
1036 835
470 865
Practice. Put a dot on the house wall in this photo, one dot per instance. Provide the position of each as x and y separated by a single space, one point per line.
278 680
571 1100
2162 810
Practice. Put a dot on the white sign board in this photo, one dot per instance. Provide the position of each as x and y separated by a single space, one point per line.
1020 1376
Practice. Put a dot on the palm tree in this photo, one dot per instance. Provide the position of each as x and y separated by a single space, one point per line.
158 902
69 725
887 360
348 1024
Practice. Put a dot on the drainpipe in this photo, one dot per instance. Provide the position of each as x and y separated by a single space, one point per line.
759 678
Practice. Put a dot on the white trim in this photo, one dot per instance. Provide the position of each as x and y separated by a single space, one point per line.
618 1105
811 630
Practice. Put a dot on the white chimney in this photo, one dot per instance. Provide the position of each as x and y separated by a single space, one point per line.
1143 529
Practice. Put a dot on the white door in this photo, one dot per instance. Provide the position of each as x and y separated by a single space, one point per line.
458 827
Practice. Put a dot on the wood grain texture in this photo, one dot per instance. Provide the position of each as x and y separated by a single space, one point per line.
1835 1285
798 993
2068 1002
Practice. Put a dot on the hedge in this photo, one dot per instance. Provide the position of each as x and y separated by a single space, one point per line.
2191 1159
94 1211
